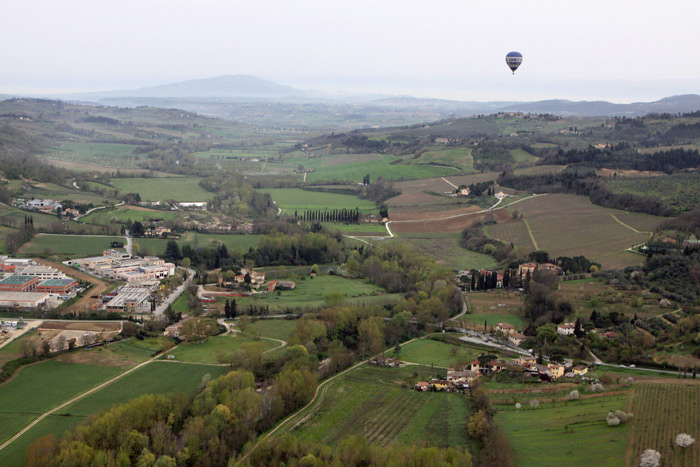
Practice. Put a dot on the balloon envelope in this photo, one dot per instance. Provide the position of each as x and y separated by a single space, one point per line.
513 60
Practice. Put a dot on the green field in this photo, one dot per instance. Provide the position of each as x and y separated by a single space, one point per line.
352 167
210 350
430 352
42 386
520 155
444 248
296 199
371 402
312 292
274 328
460 158
68 246
159 189
125 213
135 350
107 154
567 433
233 242
493 320
364 228
157 377
681 192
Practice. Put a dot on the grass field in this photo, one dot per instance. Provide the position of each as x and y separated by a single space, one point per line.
371 402
661 412
210 350
157 377
493 320
159 189
430 352
520 155
567 434
125 213
312 292
296 199
42 386
67 246
274 328
460 158
445 250
352 167
195 239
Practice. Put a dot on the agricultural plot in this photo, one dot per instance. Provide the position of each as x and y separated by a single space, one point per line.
312 293
60 193
445 250
104 154
661 411
569 225
460 158
681 192
520 155
126 213
156 378
430 352
159 189
594 294
274 328
493 320
216 349
372 402
442 222
416 193
68 246
567 434
42 386
196 239
13 217
296 199
511 232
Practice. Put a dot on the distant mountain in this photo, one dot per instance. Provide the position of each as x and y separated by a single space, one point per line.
220 86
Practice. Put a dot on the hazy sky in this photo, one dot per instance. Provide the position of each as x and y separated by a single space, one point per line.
613 50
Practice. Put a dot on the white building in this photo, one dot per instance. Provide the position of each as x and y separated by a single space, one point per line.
566 329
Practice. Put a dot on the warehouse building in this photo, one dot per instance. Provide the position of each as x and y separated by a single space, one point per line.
57 286
20 283
22 299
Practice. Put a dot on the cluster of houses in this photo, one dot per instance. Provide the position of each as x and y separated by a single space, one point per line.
121 266
28 284
456 381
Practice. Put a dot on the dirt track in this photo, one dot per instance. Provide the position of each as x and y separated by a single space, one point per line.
86 303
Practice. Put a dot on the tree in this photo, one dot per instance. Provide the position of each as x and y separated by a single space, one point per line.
650 458
547 332
578 328
684 440
370 335
534 403
172 252
478 426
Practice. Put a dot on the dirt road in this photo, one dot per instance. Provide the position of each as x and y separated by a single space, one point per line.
86 302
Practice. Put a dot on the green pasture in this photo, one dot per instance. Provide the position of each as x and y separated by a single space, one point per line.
60 193
14 217
312 292
159 189
233 242
330 168
371 402
12 350
274 328
493 320
42 386
461 158
520 155
123 214
68 246
444 249
136 350
431 352
296 199
209 350
157 377
357 229
567 433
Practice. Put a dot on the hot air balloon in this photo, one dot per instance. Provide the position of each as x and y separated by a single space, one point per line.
513 60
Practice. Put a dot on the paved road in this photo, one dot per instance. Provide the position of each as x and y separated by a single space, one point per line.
480 341
160 309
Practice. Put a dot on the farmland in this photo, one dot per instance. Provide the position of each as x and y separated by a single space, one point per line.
460 158
493 320
49 383
681 192
444 248
157 377
662 410
216 349
296 199
568 225
195 239
312 292
159 189
430 352
125 213
372 402
274 328
67 246
564 433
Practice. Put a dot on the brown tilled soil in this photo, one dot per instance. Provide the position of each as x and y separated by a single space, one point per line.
454 224
404 216
95 357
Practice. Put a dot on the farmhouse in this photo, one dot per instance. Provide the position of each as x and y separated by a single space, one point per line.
20 283
487 368
192 205
522 361
579 370
566 329
516 338
286 285
505 328
556 370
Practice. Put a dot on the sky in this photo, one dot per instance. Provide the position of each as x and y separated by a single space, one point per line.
615 50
